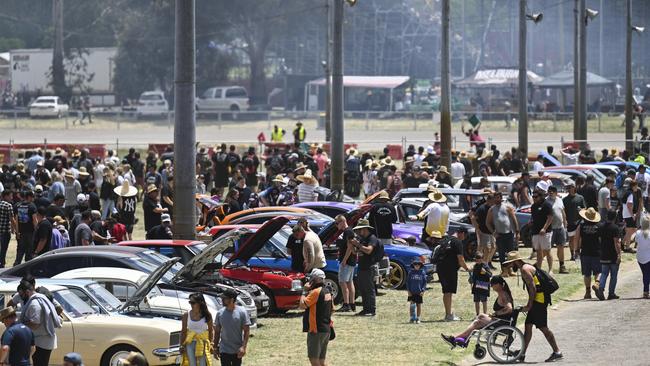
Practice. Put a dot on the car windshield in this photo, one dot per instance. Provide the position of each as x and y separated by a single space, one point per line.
148 267
158 259
147 97
107 300
45 100
72 304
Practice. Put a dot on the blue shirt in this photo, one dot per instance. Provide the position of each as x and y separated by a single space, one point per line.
20 340
417 281
232 328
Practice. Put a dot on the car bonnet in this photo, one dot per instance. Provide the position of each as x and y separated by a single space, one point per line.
331 232
256 241
148 284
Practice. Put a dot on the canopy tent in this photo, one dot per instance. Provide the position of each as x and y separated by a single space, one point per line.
388 83
494 78
564 79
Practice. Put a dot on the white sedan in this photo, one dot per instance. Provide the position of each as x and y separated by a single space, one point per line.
48 106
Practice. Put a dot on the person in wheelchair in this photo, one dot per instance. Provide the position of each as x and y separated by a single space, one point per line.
503 312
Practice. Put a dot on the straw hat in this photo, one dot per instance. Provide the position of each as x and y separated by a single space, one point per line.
513 257
59 220
383 195
436 234
278 178
151 188
443 169
126 190
58 151
68 174
7 312
307 178
363 224
590 214
76 153
388 161
424 165
463 154
83 171
299 166
437 196
351 151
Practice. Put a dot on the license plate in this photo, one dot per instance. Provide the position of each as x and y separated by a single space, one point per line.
265 303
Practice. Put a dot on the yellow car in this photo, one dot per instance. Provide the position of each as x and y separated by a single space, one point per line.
104 339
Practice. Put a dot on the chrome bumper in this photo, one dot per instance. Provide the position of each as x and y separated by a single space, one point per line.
165 353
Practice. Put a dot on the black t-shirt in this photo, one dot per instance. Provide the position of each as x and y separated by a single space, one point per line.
590 239
244 195
295 245
98 227
24 212
127 211
167 192
539 215
608 233
382 216
410 181
41 202
93 201
590 193
159 232
481 217
342 245
43 231
54 210
151 218
365 260
449 261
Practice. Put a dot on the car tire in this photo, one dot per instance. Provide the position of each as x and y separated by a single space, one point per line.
332 283
234 108
396 278
112 355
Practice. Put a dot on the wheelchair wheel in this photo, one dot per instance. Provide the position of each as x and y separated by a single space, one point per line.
479 352
505 344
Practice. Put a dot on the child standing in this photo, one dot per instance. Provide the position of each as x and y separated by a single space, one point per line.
416 284
480 280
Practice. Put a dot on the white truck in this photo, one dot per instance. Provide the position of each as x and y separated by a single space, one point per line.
229 98
30 70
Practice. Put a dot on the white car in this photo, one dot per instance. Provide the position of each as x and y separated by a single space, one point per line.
152 103
229 98
48 106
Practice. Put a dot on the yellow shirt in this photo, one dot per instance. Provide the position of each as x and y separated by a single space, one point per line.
539 295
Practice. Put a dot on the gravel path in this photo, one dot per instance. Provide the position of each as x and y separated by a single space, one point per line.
590 332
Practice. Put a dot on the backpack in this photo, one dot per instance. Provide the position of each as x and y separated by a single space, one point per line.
439 253
57 241
378 253
548 284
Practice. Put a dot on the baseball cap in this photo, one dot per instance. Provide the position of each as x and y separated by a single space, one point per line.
165 218
38 188
74 358
316 273
82 198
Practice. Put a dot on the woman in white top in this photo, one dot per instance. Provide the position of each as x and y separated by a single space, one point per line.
643 253
197 333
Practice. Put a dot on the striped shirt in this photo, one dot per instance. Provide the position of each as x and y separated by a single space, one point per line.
306 192
6 214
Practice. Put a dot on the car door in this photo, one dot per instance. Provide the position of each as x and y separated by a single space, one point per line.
50 267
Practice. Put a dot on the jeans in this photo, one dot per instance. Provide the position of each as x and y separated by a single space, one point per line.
25 247
366 288
190 349
504 245
4 245
41 357
107 207
606 270
230 359
645 269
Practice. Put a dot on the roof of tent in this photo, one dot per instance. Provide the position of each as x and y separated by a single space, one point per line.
376 82
564 79
489 78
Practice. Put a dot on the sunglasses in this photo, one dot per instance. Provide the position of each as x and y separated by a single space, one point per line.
192 302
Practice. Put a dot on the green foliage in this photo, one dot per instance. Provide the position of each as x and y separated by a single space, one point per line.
7 44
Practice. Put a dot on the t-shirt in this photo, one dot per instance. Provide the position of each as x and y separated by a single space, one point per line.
159 232
481 218
365 260
295 245
537 166
98 227
437 218
572 206
318 315
151 218
24 212
589 239
312 251
54 210
589 192
603 197
382 216
82 231
71 189
127 210
558 207
609 232
34 313
449 262
539 215
43 231
20 339
342 245
643 181
626 211
232 325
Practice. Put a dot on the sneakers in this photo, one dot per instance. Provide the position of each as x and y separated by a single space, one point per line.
563 269
344 309
365 313
449 339
417 320
451 318
554 357
353 307
646 295
613 297
599 293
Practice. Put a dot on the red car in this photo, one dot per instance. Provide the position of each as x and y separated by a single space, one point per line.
203 261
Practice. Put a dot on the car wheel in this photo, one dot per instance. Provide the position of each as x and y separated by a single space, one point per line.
113 355
234 108
396 279
332 283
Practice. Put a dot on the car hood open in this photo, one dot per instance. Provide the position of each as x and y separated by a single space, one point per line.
331 232
148 284
256 241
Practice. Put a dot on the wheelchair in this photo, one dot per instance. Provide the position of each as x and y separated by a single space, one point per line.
500 338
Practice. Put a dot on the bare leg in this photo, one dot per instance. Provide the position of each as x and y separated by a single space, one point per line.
528 335
351 292
345 291
477 307
485 307
540 258
587 280
549 260
446 301
550 338
560 253
418 310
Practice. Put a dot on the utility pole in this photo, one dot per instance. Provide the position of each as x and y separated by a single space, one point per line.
328 72
58 71
600 40
337 145
523 81
576 71
629 114
462 26
184 121
445 90
583 74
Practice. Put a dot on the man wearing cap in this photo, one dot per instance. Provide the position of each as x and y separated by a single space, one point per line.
382 215
271 195
544 182
365 243
72 359
17 340
588 238
152 208
573 203
231 330
25 213
318 304
39 199
536 307
162 231
451 260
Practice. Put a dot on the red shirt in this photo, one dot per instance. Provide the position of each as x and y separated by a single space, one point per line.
118 231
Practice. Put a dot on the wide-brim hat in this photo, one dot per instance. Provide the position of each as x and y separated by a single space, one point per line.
308 177
68 174
513 257
363 224
151 188
388 161
278 178
300 166
383 195
463 154
126 190
7 312
443 169
83 172
437 196
590 214
436 234
351 151
424 165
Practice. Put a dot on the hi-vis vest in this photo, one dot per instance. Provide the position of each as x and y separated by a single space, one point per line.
301 133
276 135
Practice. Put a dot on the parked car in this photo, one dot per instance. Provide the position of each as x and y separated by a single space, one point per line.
104 339
48 106
229 98
152 103
458 200
497 184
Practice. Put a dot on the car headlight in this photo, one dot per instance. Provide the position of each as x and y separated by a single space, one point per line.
425 259
296 285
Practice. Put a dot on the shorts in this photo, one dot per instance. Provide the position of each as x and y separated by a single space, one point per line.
448 281
538 315
485 241
542 242
590 265
415 298
559 237
480 298
346 273
129 228
630 222
571 230
317 345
